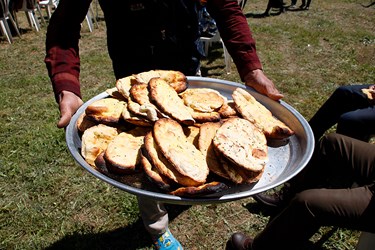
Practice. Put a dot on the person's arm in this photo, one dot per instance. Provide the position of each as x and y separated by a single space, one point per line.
62 55
236 34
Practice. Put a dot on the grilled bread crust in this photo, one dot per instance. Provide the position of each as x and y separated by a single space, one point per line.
183 155
203 99
243 144
176 79
95 140
255 112
168 101
107 110
206 134
163 166
123 152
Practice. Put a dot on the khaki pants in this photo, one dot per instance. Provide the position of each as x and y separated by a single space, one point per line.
154 215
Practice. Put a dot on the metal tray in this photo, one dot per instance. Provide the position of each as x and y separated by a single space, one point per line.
286 158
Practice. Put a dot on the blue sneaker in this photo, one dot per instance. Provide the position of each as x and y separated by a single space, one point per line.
167 242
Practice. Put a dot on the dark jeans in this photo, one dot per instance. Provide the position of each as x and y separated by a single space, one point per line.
350 109
337 190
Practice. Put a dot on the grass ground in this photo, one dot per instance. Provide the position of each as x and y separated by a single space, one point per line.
49 202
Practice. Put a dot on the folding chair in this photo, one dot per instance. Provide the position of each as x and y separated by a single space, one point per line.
5 15
207 41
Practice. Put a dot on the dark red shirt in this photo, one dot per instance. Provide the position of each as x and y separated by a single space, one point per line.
134 45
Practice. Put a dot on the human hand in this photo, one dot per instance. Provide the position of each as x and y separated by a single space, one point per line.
68 105
260 82
372 91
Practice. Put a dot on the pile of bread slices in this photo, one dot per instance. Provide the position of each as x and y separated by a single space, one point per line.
187 141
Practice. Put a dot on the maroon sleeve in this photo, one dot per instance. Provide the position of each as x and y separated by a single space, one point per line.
236 34
62 51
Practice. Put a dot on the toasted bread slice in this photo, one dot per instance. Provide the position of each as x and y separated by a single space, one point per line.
135 119
95 140
153 174
123 85
192 134
228 110
176 79
123 152
202 117
113 92
183 155
257 113
140 95
203 99
168 101
107 110
164 167
84 123
239 141
231 173
205 189
206 134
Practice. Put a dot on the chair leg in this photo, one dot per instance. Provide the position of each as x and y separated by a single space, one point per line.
5 29
89 21
15 26
93 16
227 59
34 21
41 14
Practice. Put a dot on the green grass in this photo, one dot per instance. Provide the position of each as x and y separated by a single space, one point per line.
48 201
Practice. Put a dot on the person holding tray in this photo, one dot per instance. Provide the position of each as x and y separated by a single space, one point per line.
144 35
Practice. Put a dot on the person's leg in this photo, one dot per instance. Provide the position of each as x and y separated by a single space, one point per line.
308 4
337 162
359 124
154 215
310 209
155 220
343 99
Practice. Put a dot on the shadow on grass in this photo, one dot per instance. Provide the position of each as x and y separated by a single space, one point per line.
257 208
131 237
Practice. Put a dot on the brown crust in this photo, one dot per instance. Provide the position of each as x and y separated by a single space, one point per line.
257 113
107 110
83 122
183 155
153 174
163 166
123 152
176 79
239 141
228 110
123 85
206 134
205 189
201 117
95 140
135 119
204 100
168 101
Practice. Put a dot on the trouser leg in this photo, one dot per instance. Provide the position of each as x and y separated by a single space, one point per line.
311 209
343 99
359 124
154 215
338 161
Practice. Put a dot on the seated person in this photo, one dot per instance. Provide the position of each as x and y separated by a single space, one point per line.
351 109
335 189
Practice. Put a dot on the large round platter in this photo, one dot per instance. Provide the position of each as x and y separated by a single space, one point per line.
286 159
